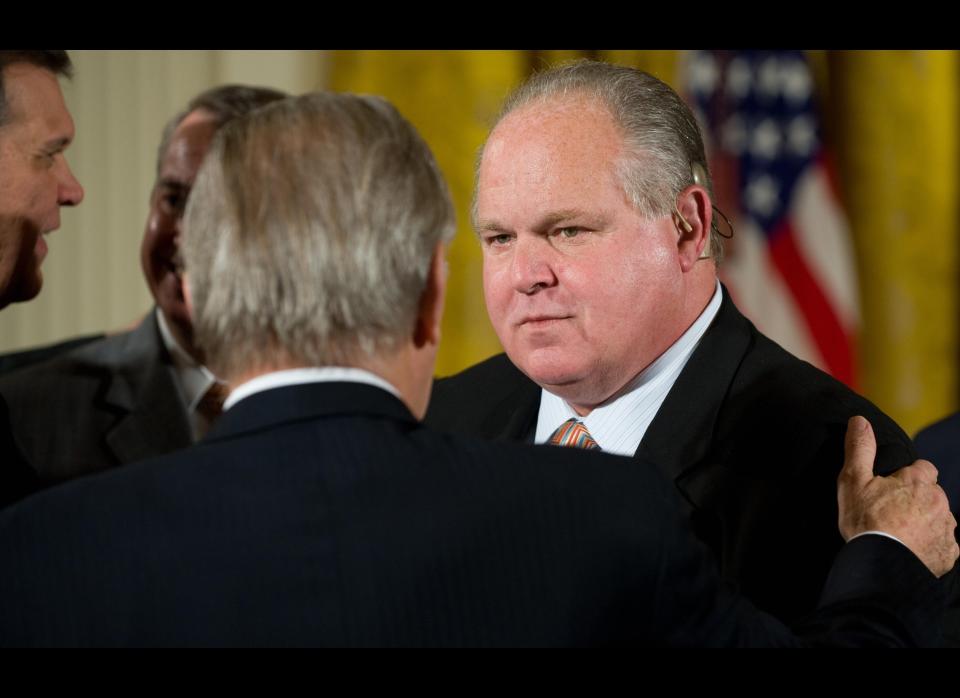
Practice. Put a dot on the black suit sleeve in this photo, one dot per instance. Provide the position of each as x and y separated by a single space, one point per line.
877 594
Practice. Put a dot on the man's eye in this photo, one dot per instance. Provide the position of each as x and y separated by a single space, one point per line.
172 203
497 240
569 232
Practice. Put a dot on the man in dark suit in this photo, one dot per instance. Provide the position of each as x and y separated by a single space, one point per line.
143 392
593 209
35 181
319 511
941 442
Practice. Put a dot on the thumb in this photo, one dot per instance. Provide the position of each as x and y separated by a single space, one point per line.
860 449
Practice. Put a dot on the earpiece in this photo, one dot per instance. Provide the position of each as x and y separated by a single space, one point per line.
700 179
699 174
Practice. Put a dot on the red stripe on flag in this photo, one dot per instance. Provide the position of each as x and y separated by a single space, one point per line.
831 339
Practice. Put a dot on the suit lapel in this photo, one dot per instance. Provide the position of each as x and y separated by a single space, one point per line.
515 417
144 391
682 434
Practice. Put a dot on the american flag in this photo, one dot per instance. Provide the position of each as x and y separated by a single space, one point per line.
790 265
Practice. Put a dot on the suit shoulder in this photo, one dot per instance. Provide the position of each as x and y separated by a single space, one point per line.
940 443
603 486
945 430
496 371
775 388
801 383
18 360
540 465
479 392
92 360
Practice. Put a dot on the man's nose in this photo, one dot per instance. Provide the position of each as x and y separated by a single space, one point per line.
71 191
532 270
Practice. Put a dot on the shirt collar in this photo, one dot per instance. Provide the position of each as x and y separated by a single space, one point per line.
193 378
299 376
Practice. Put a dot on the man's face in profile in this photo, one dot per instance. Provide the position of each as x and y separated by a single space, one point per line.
581 289
159 252
35 180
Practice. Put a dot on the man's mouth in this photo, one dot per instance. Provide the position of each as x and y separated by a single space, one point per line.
536 321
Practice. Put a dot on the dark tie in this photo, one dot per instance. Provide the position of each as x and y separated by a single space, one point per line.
573 433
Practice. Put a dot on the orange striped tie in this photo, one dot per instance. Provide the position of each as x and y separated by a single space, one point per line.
211 404
573 433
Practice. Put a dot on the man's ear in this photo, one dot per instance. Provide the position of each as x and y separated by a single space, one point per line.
430 312
693 216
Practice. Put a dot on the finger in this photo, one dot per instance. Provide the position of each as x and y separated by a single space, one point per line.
860 449
921 471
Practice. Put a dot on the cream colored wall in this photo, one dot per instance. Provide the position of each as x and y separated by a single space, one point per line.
120 101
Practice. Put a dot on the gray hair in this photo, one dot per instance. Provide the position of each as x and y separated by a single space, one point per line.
662 139
224 103
310 232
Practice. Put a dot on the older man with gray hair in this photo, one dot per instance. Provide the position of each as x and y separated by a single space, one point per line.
594 210
320 512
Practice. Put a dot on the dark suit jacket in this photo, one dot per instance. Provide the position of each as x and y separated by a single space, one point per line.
325 514
751 436
16 360
17 478
940 444
109 402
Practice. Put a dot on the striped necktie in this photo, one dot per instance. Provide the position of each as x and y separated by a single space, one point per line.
573 433
211 404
